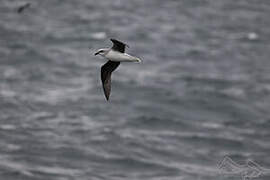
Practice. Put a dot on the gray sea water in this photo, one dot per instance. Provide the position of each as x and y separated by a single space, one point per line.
201 93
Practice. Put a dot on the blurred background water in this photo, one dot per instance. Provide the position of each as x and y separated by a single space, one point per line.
202 91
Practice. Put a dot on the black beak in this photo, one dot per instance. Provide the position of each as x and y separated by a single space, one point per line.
96 53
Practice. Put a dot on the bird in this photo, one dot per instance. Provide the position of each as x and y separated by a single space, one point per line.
21 8
114 55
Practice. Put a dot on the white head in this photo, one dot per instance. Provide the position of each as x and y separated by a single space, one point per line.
102 52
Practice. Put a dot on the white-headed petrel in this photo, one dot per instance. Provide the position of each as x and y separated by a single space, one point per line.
115 55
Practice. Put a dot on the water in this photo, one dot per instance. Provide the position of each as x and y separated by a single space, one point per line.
202 91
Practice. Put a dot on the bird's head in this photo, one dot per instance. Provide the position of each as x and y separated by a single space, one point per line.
102 52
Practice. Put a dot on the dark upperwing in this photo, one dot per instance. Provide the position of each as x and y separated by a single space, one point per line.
118 45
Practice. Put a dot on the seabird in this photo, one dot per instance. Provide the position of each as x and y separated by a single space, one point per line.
115 55
21 8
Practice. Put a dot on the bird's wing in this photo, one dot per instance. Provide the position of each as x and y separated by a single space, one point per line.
118 45
106 71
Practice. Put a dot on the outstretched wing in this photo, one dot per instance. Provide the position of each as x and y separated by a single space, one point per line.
118 45
106 71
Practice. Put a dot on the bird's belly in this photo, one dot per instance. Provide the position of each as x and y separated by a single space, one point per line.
120 57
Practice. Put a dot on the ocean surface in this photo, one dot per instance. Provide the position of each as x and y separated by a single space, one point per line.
201 93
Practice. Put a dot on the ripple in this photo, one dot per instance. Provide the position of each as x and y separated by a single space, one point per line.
8 127
98 35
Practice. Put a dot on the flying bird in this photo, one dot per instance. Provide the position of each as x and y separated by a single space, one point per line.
115 55
23 7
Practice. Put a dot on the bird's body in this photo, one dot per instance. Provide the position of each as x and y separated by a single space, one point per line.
115 55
